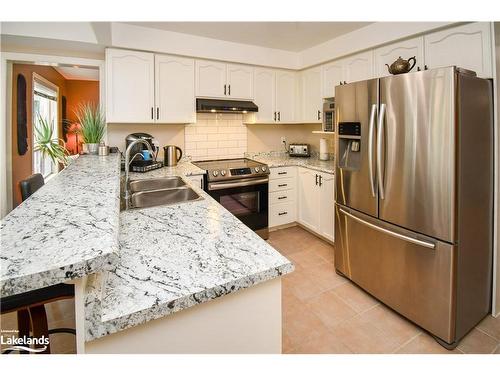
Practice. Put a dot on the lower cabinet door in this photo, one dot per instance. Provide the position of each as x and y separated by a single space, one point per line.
326 206
282 213
309 198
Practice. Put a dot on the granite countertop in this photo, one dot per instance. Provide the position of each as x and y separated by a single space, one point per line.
174 257
282 159
66 230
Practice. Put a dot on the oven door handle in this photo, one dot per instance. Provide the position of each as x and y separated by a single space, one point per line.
228 185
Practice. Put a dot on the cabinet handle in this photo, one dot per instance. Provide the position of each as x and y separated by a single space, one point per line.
274 116
340 83
282 172
319 115
320 180
281 185
345 83
425 67
225 89
157 113
282 197
152 113
316 179
229 90
279 115
282 213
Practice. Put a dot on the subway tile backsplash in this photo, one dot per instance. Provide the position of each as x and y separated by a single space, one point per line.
216 136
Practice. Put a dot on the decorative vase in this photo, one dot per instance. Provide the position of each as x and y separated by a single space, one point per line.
93 148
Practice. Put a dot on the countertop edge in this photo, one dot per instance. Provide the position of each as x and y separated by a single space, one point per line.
104 328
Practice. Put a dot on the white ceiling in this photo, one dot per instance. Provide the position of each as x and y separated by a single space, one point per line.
78 73
289 36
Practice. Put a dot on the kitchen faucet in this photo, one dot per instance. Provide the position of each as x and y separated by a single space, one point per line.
128 161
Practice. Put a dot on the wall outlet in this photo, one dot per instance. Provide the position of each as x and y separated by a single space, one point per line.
283 140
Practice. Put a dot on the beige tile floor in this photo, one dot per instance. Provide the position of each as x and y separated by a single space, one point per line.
322 311
326 313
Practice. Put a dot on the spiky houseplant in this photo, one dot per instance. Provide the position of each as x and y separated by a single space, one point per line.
47 144
92 125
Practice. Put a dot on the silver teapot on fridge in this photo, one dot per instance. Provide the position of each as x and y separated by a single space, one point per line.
171 155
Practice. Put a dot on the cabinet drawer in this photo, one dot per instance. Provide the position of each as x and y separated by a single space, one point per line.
281 184
285 196
282 172
282 213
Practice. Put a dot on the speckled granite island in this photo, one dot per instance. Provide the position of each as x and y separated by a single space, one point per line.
148 280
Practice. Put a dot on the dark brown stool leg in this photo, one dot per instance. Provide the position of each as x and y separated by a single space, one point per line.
23 325
40 325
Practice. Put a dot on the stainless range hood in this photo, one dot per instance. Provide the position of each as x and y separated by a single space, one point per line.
225 106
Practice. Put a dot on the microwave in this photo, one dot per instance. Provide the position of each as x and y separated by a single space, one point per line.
329 115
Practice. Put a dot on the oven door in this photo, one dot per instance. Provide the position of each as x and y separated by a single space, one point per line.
247 199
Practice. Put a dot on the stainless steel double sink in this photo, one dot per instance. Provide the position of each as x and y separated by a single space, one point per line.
159 191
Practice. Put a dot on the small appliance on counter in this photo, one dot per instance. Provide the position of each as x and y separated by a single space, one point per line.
145 162
299 149
171 155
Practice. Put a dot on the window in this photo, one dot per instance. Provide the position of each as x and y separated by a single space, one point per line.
45 96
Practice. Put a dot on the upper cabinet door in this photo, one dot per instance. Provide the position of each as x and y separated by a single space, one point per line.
240 81
129 86
404 49
174 89
358 67
333 74
211 79
467 46
311 95
286 86
265 89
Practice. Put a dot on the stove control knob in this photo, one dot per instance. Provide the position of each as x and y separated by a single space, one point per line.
257 169
223 172
264 168
215 173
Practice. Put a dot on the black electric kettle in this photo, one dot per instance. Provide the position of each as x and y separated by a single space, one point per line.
171 155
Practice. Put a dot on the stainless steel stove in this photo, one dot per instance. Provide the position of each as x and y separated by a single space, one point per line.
242 187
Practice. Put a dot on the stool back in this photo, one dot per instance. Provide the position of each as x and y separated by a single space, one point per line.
30 185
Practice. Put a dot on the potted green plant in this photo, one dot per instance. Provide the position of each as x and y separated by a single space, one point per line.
47 144
92 126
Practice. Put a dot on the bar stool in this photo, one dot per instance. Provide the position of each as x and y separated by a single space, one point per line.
30 306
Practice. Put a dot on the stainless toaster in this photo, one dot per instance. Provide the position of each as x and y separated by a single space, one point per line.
299 149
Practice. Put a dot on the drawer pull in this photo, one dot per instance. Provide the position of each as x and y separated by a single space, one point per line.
281 185
282 197
282 213
282 172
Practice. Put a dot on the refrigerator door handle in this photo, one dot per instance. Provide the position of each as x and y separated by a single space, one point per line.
426 244
370 148
380 129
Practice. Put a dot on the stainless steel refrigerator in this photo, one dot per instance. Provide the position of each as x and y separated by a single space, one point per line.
414 195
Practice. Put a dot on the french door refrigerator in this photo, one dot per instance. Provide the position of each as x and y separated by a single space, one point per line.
414 195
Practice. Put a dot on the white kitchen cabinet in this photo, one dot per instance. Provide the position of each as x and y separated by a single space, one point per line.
282 196
358 67
265 94
326 205
174 90
316 202
129 86
312 101
308 199
240 81
390 53
220 80
332 75
286 82
211 77
467 46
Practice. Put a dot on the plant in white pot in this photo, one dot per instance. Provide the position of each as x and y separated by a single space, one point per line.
47 144
92 126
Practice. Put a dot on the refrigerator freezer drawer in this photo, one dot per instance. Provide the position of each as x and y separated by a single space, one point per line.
410 273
